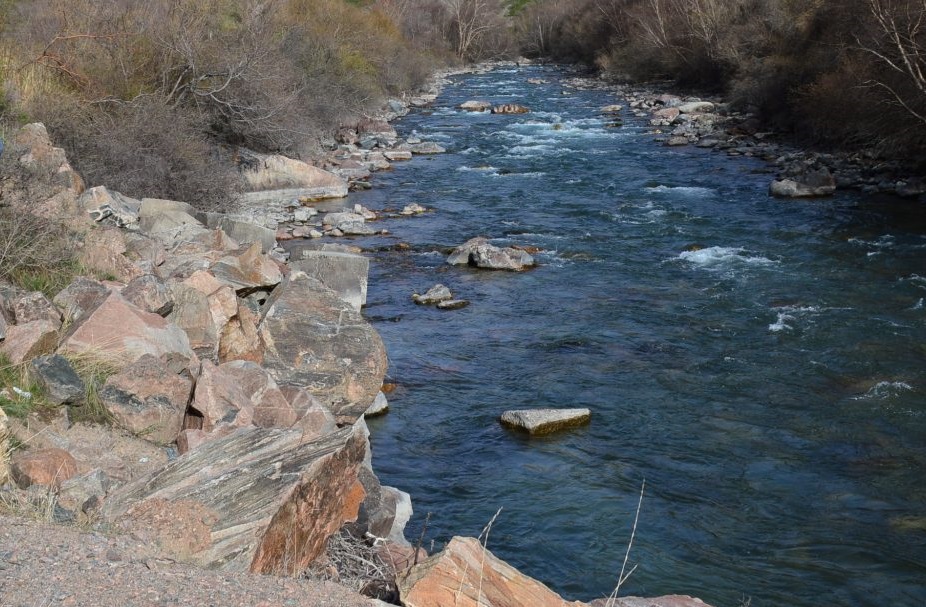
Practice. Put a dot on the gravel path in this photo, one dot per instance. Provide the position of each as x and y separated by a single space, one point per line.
43 565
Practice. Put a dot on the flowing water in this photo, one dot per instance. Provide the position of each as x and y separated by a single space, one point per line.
759 362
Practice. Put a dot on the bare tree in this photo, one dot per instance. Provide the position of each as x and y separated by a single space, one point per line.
471 21
899 46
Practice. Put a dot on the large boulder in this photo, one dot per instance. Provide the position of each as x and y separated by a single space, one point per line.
192 313
259 500
809 185
466 574
343 273
478 252
316 340
149 293
288 178
221 402
270 407
122 333
696 107
170 222
148 399
240 339
474 105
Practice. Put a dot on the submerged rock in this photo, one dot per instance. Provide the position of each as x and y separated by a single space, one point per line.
545 421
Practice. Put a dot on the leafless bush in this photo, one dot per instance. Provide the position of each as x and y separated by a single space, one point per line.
353 562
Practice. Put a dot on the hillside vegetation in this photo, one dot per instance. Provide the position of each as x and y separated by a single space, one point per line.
151 97
846 72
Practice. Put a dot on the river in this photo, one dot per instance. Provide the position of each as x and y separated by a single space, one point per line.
759 362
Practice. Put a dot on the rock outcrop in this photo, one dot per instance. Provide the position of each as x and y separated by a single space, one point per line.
475 105
510 108
344 273
259 500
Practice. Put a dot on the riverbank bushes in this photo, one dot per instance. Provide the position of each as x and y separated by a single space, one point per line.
838 72
153 97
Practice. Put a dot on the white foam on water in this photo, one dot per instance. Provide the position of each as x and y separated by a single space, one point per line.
525 174
690 190
789 315
883 242
471 151
918 305
884 390
722 257
479 169
916 279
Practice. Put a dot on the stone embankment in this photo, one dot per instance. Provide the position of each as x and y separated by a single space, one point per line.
234 383
678 120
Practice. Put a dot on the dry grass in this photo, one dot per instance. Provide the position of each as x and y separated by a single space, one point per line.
621 578
94 367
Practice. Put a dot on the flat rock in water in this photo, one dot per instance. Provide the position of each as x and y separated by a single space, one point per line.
435 295
510 108
475 105
545 421
427 147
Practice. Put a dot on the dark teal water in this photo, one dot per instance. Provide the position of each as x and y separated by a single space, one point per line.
770 387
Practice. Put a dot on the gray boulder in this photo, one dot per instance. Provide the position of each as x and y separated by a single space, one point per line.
59 381
479 253
434 295
809 185
316 340
427 147
243 232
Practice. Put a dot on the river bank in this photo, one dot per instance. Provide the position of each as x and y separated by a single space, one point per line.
232 380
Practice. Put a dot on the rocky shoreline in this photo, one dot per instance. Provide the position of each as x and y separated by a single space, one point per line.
681 120
233 376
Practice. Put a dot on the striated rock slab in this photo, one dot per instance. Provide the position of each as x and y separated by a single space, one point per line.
260 500
247 270
244 232
545 421
465 574
343 273
316 340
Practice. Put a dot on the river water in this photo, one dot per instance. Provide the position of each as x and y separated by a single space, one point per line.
760 363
